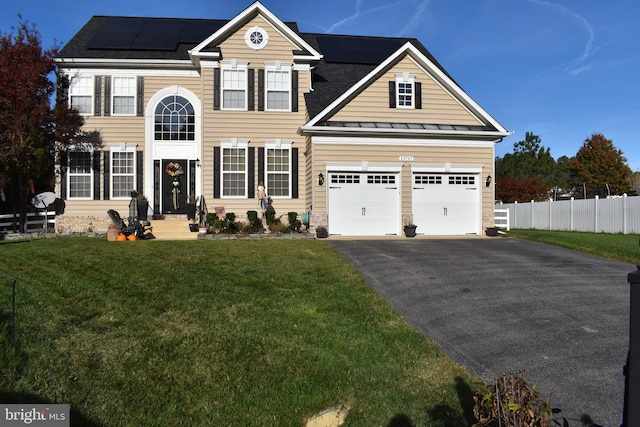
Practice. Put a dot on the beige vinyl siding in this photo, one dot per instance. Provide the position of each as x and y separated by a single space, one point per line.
389 154
257 127
279 47
438 105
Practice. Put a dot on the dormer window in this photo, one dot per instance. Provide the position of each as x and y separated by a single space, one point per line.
256 38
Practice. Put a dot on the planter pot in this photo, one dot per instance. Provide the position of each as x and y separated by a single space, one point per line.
410 230
203 230
492 231
112 233
322 233
191 211
194 228
143 210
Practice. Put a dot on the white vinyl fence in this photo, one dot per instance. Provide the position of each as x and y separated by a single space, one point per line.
609 215
36 222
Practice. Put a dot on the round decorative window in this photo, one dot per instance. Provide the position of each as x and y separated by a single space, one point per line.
256 38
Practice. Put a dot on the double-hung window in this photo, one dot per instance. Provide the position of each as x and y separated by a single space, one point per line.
278 169
405 90
234 86
234 169
123 170
278 87
81 94
124 95
80 182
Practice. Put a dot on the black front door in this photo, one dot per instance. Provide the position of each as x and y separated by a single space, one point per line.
175 186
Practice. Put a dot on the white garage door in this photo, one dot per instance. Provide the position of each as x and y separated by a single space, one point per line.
363 204
446 204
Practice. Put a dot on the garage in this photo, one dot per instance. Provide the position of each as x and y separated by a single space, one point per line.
363 203
446 203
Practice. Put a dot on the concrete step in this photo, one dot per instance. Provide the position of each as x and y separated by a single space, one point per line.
172 229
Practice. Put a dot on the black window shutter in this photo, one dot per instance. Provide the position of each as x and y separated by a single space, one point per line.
64 166
139 171
97 102
261 164
216 172
216 88
107 96
392 94
418 89
294 91
251 89
107 169
294 173
251 179
140 97
261 90
96 175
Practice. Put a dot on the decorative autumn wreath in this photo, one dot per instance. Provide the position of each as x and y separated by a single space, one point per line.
174 169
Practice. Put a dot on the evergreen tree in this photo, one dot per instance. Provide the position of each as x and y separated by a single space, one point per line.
599 168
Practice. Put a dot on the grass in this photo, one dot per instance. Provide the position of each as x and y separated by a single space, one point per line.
617 247
222 333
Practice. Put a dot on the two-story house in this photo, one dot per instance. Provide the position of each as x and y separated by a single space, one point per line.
363 133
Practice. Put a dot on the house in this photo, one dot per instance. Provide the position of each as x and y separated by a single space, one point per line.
365 134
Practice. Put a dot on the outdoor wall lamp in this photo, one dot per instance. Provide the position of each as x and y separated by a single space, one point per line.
320 179
488 183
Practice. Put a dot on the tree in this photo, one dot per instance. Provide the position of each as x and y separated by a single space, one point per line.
599 168
528 173
30 128
511 189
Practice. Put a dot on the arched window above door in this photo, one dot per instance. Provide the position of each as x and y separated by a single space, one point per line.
174 120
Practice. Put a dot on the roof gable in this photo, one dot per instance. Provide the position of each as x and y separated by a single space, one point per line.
208 47
436 72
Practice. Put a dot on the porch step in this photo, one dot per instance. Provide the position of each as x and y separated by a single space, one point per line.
172 229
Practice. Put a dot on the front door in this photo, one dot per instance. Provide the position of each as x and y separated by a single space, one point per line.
175 186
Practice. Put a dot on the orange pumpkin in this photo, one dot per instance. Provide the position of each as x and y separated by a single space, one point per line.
132 237
121 238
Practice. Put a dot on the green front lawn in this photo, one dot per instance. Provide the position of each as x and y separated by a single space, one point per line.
220 333
618 247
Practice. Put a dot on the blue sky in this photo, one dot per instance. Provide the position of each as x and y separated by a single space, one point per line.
562 69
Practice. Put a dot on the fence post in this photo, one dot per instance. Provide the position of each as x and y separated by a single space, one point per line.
631 413
532 216
515 214
624 214
595 213
571 226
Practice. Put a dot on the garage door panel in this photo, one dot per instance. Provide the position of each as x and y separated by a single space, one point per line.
363 204
446 204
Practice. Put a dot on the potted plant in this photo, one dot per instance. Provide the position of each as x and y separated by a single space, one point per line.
409 226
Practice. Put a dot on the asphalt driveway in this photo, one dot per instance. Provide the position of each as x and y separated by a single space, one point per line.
499 305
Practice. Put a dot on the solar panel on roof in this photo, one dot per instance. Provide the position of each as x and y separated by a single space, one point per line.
197 31
116 33
159 34
362 50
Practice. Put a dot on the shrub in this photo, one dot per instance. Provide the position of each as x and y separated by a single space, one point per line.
294 224
511 402
255 224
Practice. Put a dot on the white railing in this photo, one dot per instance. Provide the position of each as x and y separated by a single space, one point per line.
502 218
36 222
609 215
